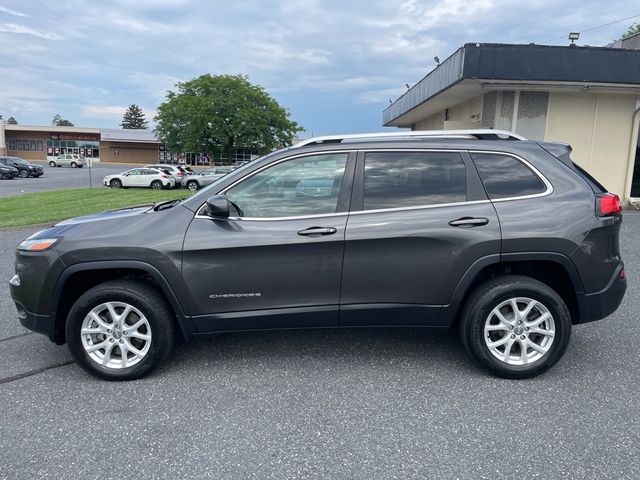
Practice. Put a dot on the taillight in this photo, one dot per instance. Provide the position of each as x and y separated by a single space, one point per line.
164 176
608 204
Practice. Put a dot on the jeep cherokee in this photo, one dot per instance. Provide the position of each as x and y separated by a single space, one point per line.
506 240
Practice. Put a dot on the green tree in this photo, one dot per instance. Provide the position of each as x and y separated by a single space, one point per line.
134 118
214 114
12 121
58 121
632 30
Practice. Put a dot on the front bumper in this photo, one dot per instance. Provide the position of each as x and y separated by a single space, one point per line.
596 306
44 324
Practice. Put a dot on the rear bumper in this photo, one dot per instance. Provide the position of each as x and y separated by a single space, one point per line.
596 306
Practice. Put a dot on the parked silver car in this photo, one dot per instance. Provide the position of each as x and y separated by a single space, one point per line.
72 160
203 179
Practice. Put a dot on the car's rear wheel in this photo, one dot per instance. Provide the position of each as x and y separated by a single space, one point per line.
515 326
115 183
120 330
156 185
23 174
192 185
52 163
74 165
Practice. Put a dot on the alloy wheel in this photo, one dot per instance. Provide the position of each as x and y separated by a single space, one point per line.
519 331
116 335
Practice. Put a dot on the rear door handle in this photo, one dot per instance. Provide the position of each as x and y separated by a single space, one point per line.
469 222
318 231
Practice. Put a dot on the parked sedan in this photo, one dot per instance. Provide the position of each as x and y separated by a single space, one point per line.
140 177
25 169
72 160
203 179
7 173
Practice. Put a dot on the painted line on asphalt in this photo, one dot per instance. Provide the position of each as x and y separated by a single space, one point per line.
16 336
31 373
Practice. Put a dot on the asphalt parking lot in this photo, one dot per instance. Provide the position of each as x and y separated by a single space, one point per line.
352 404
63 177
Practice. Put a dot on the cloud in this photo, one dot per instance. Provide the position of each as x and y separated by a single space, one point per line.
333 64
380 96
103 111
15 13
112 111
24 30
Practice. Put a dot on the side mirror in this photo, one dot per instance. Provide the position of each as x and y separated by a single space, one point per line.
218 206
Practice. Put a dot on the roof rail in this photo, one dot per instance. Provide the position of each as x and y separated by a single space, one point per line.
478 134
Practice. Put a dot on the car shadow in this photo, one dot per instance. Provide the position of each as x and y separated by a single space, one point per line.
330 348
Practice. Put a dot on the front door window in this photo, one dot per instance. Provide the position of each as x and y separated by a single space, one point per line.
303 186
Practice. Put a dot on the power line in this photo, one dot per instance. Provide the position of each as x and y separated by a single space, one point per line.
594 28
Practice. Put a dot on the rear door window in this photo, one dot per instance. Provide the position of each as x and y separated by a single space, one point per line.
504 176
410 179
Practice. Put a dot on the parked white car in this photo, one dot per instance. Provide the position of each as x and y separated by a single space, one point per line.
140 177
72 160
176 171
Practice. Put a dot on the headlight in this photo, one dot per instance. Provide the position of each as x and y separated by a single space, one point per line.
38 244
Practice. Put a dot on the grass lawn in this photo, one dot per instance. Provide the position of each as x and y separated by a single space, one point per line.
56 205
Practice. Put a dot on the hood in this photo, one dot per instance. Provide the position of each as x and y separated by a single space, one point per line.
113 214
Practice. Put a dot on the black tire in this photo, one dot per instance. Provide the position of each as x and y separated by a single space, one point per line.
141 296
74 165
156 185
115 183
192 185
492 293
23 174
80 166
52 163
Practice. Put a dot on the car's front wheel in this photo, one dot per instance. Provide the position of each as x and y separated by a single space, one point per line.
52 163
115 183
23 174
515 326
192 185
120 330
74 165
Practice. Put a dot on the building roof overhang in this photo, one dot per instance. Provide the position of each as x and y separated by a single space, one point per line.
49 129
477 68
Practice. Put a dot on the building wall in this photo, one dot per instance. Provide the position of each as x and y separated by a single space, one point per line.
27 155
599 128
138 153
465 115
434 122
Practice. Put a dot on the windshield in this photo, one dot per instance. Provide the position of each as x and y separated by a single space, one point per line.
19 160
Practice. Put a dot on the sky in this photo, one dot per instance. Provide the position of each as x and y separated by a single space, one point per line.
333 64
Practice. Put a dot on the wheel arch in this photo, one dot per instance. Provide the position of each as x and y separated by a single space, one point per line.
79 278
553 269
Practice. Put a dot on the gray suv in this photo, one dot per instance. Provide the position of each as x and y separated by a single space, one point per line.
504 239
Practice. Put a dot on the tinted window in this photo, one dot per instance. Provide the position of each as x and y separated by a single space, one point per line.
407 179
302 186
505 176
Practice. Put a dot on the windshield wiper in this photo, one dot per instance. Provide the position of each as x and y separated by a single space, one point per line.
164 205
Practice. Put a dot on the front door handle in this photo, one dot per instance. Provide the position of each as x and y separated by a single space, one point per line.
318 231
469 222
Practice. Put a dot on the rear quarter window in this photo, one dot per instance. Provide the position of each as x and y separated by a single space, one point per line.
504 176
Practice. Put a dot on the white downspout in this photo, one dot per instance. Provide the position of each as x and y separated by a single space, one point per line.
631 160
